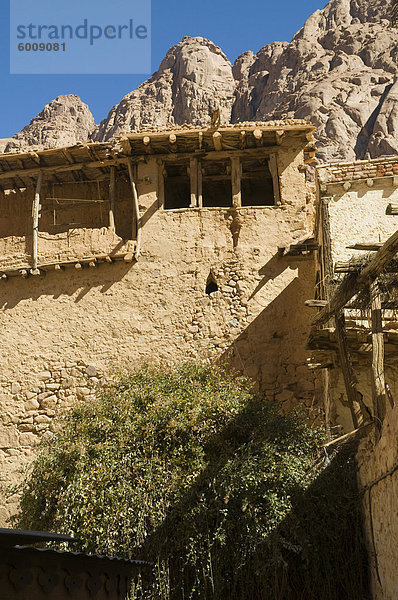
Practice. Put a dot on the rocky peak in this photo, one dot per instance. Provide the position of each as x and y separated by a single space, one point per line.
63 122
194 78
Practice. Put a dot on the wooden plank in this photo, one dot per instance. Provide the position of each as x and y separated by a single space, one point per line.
378 375
368 247
316 303
112 197
355 282
346 368
236 176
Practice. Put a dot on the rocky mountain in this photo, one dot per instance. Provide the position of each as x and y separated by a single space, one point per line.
63 122
339 71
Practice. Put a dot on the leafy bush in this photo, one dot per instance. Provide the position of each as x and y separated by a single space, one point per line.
189 469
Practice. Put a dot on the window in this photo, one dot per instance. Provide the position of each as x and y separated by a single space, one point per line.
257 183
216 183
177 187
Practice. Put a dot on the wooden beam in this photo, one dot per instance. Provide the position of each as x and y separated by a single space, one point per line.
35 224
200 185
193 174
236 176
258 137
243 139
112 199
366 246
279 135
355 282
392 209
346 367
160 181
378 376
60 168
136 233
217 141
316 303
173 142
146 140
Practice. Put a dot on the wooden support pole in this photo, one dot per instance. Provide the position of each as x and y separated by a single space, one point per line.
112 197
378 375
236 177
217 141
355 282
193 174
346 367
273 167
35 218
200 185
136 233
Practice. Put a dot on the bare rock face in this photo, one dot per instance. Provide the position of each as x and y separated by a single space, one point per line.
194 78
338 72
63 122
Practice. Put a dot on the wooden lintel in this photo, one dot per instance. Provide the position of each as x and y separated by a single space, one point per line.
217 141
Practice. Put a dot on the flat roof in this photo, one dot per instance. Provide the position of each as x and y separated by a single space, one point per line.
92 161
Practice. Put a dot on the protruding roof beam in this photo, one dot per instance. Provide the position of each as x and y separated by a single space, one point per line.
217 141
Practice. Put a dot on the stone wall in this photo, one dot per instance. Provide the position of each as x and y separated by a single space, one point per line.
378 480
67 331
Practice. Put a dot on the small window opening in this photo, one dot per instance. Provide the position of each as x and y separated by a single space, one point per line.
257 183
177 187
216 184
211 285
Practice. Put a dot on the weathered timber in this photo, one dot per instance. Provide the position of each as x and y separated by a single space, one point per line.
355 282
367 246
346 367
392 209
35 218
273 167
112 197
327 274
236 182
217 141
378 375
193 175
173 142
258 137
137 218
316 303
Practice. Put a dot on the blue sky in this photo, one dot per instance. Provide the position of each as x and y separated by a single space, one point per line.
234 25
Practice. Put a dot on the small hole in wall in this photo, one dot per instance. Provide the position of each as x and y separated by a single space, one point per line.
211 285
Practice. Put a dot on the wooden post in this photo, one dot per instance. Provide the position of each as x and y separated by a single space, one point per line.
193 173
236 181
136 233
327 261
217 141
273 167
161 175
112 195
35 216
378 377
200 185
346 367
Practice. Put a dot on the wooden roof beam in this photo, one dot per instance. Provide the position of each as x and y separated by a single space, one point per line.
173 142
258 137
217 141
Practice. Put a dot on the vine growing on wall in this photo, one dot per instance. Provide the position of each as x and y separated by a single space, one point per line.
188 468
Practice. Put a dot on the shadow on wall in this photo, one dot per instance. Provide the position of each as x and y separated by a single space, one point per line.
272 349
67 283
221 534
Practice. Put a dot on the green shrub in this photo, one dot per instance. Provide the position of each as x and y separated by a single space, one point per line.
189 469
